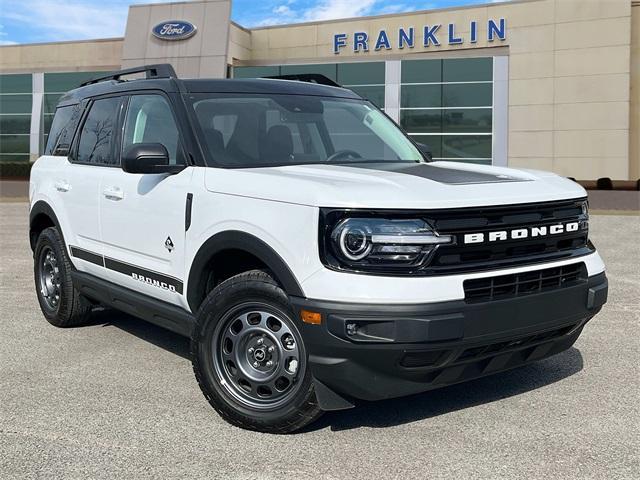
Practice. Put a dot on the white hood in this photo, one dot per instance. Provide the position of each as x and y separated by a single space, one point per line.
427 186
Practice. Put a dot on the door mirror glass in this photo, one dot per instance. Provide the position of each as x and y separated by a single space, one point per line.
148 158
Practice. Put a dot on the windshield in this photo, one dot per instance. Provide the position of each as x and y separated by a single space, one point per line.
254 130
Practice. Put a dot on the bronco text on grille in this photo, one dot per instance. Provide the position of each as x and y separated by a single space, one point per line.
497 237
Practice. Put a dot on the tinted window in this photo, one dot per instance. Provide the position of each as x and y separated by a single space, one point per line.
15 103
63 127
149 120
96 138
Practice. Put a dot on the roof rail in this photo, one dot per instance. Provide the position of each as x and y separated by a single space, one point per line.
160 70
308 77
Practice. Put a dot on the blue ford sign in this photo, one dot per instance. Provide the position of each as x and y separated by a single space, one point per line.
174 30
427 36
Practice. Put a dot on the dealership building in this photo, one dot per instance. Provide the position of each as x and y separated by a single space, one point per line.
542 84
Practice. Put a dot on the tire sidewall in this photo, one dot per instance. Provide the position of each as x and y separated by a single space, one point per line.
51 238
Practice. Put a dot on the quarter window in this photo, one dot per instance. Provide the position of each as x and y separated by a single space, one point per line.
96 138
63 127
149 120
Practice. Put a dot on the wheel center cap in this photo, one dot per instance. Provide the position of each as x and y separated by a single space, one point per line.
259 354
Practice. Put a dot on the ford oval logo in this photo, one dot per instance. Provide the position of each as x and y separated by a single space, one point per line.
173 30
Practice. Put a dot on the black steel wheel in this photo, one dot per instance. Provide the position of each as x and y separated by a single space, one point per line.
48 275
249 357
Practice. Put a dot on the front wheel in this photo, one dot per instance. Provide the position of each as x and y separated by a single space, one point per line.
249 357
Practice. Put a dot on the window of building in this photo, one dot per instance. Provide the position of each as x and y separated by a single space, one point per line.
448 105
149 120
96 137
55 86
364 78
15 117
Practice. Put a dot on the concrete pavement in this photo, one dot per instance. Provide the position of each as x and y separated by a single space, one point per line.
117 399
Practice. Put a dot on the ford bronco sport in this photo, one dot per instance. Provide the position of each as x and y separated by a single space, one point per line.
308 247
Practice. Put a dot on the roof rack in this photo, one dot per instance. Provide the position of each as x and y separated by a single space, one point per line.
161 70
308 77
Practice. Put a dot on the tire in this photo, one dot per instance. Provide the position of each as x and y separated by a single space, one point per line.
61 304
242 325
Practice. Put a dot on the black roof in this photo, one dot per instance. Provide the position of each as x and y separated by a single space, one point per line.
169 85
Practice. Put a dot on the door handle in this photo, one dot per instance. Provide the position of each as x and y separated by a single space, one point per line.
113 193
62 186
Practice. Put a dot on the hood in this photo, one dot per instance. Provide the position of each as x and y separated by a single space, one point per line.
393 185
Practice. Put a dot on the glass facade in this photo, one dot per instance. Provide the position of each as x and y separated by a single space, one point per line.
56 85
364 78
448 105
16 102
444 103
15 116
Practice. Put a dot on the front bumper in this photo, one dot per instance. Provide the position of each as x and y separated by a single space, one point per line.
374 352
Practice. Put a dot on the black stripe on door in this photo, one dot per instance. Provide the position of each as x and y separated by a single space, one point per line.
87 256
155 279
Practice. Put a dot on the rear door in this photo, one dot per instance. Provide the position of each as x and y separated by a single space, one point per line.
92 154
142 216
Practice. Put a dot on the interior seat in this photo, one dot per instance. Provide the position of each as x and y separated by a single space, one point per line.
277 146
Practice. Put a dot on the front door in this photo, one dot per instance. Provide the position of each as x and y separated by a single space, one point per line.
142 216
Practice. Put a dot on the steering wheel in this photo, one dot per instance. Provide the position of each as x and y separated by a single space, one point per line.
342 154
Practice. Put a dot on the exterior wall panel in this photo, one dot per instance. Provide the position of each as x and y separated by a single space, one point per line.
572 82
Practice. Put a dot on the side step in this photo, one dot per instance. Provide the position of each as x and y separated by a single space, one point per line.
147 308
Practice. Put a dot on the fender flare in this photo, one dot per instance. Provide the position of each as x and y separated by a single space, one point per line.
42 208
237 240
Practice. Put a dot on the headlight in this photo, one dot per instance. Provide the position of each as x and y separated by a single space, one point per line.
379 244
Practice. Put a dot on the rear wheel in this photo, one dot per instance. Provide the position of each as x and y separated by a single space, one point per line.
61 304
249 357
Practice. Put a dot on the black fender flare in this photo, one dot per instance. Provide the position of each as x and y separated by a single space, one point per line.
42 208
237 240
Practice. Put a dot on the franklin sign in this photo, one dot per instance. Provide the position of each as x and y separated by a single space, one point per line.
173 30
426 37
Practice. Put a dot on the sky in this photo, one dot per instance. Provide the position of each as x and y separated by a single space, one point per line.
32 21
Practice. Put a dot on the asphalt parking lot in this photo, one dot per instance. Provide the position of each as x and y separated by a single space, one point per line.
118 399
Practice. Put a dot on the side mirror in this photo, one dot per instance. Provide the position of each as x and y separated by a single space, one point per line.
148 158
426 151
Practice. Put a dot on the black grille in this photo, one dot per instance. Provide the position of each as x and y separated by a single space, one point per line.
484 255
525 283
499 347
521 348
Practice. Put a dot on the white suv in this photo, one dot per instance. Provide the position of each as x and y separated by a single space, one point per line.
309 248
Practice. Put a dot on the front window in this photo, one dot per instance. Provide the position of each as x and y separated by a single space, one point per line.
253 130
149 120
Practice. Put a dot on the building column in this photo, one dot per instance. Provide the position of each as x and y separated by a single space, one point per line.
392 79
500 129
37 97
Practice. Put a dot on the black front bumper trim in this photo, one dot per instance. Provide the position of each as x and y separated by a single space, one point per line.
376 351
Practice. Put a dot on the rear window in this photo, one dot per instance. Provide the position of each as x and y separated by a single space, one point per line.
63 127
